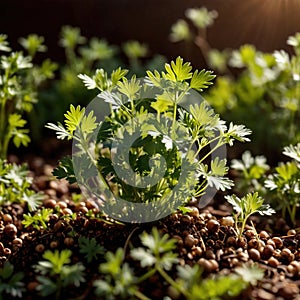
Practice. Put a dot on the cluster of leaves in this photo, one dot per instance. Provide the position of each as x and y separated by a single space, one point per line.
15 186
156 256
39 219
55 273
10 282
280 185
19 82
266 86
245 207
163 126
284 184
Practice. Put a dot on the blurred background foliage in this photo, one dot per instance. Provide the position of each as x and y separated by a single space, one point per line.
256 85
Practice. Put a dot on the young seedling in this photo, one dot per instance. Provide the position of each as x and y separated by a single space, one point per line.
285 183
55 273
252 172
15 186
11 284
90 248
38 219
245 207
220 286
118 280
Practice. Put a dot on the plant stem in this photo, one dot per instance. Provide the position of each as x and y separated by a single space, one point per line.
147 275
141 296
173 283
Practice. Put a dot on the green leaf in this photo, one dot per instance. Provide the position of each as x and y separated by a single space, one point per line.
90 248
20 136
201 80
15 120
73 118
117 75
293 151
178 71
130 88
3 43
145 257
218 167
113 262
58 259
135 49
33 43
89 83
180 31
61 132
88 123
71 37
286 171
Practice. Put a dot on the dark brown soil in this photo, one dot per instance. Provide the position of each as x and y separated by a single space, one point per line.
205 237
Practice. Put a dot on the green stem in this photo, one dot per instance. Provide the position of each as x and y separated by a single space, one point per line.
147 275
219 144
173 283
141 296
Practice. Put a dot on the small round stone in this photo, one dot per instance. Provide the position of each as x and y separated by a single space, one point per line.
273 262
227 221
254 254
189 241
213 225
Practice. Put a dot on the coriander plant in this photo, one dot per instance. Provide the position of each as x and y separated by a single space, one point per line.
90 248
15 186
54 274
156 257
19 80
263 85
245 207
10 282
39 219
284 184
173 128
251 173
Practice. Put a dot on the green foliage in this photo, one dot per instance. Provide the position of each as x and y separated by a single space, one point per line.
251 173
280 185
19 82
90 248
218 287
65 170
15 186
284 183
10 283
38 219
55 273
158 251
119 281
265 86
245 207
201 17
163 124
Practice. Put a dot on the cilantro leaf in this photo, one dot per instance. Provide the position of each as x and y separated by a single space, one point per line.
201 80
